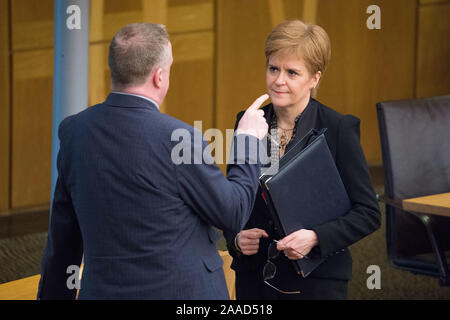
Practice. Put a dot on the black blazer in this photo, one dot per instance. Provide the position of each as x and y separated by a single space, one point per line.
343 138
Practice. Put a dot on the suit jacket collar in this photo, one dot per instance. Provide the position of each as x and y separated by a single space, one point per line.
307 121
128 101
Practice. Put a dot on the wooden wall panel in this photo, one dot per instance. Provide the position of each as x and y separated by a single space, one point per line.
99 87
368 66
242 28
190 17
112 22
241 31
432 2
190 96
118 6
32 70
219 66
32 127
293 9
155 11
32 24
181 103
433 50
191 28
5 105
98 58
179 16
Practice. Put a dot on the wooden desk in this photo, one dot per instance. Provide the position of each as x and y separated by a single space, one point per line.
23 289
229 273
422 207
438 204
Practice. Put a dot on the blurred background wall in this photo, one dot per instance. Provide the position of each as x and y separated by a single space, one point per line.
219 69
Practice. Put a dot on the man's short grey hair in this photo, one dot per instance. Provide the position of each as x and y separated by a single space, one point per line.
135 50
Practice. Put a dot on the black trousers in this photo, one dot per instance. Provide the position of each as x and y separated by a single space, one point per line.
251 286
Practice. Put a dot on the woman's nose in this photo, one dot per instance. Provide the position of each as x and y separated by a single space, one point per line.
280 80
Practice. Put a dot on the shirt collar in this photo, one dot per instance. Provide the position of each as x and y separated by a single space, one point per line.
139 96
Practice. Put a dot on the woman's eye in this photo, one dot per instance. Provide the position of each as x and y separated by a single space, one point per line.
273 69
292 73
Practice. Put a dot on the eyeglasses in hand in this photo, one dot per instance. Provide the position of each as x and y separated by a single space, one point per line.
270 269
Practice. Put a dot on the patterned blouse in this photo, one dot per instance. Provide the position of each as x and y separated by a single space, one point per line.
273 141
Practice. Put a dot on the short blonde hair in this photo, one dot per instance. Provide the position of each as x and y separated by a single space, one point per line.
308 41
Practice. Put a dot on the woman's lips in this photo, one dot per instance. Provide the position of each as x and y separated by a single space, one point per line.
279 92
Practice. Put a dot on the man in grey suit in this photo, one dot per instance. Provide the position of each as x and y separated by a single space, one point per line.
143 222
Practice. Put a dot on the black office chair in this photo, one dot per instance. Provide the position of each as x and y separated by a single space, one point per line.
415 141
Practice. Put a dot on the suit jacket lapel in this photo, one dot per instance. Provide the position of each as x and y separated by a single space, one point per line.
307 121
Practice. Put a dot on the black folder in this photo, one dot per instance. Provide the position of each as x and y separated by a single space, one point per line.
306 191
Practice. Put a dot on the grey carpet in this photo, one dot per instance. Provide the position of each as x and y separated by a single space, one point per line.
395 283
20 257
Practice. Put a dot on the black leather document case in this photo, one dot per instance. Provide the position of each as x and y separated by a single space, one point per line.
306 191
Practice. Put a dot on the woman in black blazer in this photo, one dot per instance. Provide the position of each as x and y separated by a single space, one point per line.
297 55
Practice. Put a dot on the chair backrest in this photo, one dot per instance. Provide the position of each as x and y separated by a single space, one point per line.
415 141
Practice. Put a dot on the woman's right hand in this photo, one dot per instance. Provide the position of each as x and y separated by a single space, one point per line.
248 240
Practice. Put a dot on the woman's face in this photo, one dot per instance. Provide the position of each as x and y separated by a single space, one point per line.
288 81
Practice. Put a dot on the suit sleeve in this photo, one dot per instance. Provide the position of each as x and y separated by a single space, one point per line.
230 236
64 244
223 202
364 217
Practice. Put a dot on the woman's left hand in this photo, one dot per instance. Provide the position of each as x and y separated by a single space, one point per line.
298 244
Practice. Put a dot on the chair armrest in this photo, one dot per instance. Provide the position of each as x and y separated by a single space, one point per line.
393 202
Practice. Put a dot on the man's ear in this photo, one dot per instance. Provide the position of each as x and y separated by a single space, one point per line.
157 77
